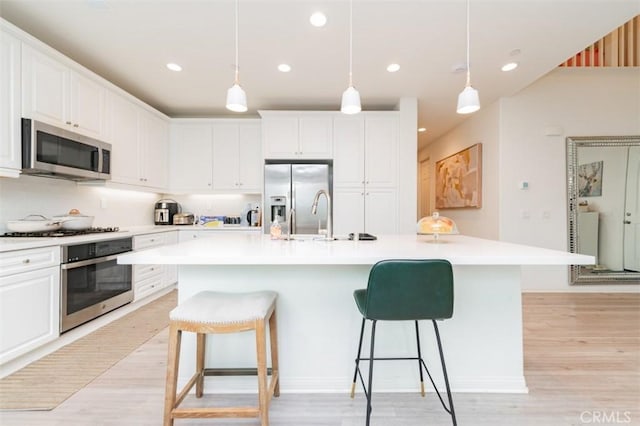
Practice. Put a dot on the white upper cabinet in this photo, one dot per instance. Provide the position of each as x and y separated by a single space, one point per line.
55 94
216 155
10 129
140 144
366 150
122 119
237 158
297 135
190 160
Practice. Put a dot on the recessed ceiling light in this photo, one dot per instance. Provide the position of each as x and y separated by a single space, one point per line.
284 67
422 129
174 67
318 19
510 66
393 67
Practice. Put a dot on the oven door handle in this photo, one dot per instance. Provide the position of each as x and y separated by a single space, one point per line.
88 262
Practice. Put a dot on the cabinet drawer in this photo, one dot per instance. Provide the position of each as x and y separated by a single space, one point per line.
146 287
15 262
148 241
143 272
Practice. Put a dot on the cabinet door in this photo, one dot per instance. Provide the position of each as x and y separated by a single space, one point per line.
381 211
280 137
171 271
122 125
191 154
155 154
10 129
44 88
381 150
348 210
348 149
86 106
29 311
250 162
226 156
315 137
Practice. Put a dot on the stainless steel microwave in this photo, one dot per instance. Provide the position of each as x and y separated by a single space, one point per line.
54 152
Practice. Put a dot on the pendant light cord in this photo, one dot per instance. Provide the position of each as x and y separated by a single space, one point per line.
350 43
468 48
236 81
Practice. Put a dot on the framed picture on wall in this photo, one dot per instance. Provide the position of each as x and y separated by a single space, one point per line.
590 179
459 179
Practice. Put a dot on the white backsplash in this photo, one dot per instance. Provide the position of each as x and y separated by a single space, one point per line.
111 207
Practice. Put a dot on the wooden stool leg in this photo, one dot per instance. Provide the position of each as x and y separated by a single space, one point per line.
273 339
173 360
201 339
263 396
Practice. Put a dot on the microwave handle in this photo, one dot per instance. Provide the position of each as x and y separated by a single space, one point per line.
99 160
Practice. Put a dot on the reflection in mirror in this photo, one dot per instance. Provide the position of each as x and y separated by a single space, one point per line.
603 184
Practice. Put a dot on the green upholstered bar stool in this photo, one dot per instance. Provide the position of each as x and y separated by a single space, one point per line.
406 290
210 312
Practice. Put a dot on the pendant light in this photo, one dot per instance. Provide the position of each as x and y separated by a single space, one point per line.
236 98
468 99
350 97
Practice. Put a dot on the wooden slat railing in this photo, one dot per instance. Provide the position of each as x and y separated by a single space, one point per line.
619 48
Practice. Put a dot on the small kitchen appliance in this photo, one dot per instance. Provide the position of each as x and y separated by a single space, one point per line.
183 219
164 211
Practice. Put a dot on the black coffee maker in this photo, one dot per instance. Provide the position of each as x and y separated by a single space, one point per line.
164 211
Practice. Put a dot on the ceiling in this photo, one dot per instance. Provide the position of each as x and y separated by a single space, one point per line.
128 42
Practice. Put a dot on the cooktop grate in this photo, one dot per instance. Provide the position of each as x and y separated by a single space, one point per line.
62 232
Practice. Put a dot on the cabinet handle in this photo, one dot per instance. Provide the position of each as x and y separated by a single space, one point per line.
26 261
627 222
209 184
240 183
68 122
362 193
195 236
75 125
367 193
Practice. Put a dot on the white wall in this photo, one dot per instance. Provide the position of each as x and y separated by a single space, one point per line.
36 195
407 155
523 139
481 127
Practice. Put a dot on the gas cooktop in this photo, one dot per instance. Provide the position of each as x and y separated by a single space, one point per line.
62 232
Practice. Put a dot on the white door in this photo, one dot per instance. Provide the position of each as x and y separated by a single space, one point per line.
632 212
10 103
87 106
381 208
424 190
316 140
155 141
44 88
280 135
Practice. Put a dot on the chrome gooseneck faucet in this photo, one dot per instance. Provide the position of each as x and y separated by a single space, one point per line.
314 210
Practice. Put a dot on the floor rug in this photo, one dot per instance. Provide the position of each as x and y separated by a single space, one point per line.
47 382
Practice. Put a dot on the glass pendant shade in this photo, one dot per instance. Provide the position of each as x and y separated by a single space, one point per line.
468 101
350 101
236 99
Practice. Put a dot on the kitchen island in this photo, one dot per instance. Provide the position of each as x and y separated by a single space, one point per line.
319 324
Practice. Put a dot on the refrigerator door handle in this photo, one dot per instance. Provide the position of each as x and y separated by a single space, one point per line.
293 208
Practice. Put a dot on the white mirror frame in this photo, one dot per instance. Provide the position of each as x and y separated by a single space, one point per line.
573 143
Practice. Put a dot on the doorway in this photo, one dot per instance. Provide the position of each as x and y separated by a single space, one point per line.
424 202
632 212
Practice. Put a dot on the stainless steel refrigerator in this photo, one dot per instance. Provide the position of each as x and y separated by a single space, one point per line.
293 185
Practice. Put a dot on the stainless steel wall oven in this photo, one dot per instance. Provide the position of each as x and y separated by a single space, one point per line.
92 282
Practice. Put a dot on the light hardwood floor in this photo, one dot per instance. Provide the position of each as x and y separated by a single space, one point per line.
582 364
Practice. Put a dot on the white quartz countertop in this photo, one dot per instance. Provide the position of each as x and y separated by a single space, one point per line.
23 243
259 249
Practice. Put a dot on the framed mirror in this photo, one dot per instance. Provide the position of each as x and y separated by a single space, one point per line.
603 193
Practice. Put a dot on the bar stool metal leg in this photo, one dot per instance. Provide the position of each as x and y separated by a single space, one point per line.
446 377
369 392
420 361
355 372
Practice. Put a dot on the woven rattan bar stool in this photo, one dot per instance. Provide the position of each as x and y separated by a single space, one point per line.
211 312
406 290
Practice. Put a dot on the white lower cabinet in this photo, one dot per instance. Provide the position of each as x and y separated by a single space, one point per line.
189 235
29 300
148 279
